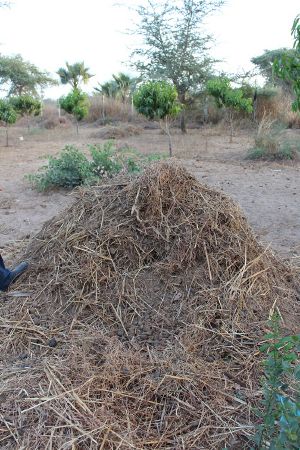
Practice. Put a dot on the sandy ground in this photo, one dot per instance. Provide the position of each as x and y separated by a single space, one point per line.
267 192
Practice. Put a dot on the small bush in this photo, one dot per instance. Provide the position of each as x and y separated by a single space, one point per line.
271 143
104 162
280 413
72 167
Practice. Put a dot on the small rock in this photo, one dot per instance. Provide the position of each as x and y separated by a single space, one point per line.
53 342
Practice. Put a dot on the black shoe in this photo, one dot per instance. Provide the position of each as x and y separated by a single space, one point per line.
16 273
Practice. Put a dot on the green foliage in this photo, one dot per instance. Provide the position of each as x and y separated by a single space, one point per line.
287 66
109 89
157 100
280 414
175 46
232 99
72 167
8 114
26 105
19 77
104 159
265 63
74 74
228 97
121 86
75 103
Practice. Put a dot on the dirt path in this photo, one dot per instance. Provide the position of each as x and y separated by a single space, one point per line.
268 193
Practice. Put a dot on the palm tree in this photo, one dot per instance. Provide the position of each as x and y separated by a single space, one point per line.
74 74
125 85
108 89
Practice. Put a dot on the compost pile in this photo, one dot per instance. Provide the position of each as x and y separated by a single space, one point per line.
140 321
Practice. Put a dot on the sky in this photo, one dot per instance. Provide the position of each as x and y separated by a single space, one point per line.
50 32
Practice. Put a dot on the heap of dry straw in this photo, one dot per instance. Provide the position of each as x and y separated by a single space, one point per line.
146 303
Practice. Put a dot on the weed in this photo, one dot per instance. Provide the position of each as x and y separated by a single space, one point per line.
73 168
280 414
271 144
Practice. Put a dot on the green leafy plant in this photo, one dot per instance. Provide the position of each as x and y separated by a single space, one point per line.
175 46
8 115
19 77
74 74
73 168
287 66
233 100
26 105
157 100
77 104
280 413
104 159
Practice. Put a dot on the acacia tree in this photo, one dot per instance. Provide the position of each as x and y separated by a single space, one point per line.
19 77
74 74
233 100
26 106
287 66
175 46
265 65
77 104
8 115
158 100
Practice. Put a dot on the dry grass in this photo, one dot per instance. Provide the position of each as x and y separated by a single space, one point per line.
103 110
145 304
117 132
273 142
278 108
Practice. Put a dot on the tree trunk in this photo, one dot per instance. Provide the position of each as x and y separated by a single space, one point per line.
103 111
183 122
77 127
169 136
231 125
205 110
182 114
6 132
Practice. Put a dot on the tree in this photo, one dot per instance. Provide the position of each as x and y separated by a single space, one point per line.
175 47
287 66
126 85
231 99
74 74
77 104
109 89
8 115
26 106
265 62
158 100
19 77
121 86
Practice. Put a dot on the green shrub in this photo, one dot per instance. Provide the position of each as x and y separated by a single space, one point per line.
72 167
280 413
104 162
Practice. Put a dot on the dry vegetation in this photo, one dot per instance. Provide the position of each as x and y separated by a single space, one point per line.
138 324
145 304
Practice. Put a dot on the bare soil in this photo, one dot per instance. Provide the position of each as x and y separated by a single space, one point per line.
268 192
